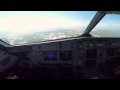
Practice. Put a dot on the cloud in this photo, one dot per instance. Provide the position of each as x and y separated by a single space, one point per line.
105 26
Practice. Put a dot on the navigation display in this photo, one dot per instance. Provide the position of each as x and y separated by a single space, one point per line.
66 55
50 56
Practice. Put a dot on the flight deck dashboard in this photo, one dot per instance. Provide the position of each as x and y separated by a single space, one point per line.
79 53
72 51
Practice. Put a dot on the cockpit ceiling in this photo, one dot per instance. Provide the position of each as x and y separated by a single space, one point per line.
112 12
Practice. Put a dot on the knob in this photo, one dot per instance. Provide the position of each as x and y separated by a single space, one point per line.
81 55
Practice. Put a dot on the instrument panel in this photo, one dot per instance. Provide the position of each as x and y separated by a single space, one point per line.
83 52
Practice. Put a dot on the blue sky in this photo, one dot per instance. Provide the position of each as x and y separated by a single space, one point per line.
26 20
109 22
71 15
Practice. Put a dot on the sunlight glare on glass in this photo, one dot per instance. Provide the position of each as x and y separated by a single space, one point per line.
27 21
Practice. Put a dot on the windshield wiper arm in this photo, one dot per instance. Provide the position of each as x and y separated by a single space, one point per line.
5 42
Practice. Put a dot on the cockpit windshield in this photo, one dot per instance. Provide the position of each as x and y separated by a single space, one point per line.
20 27
109 26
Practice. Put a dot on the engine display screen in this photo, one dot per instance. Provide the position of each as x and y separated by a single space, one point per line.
118 51
66 55
111 52
90 63
52 56
92 53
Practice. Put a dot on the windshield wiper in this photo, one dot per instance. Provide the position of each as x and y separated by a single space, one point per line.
5 42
